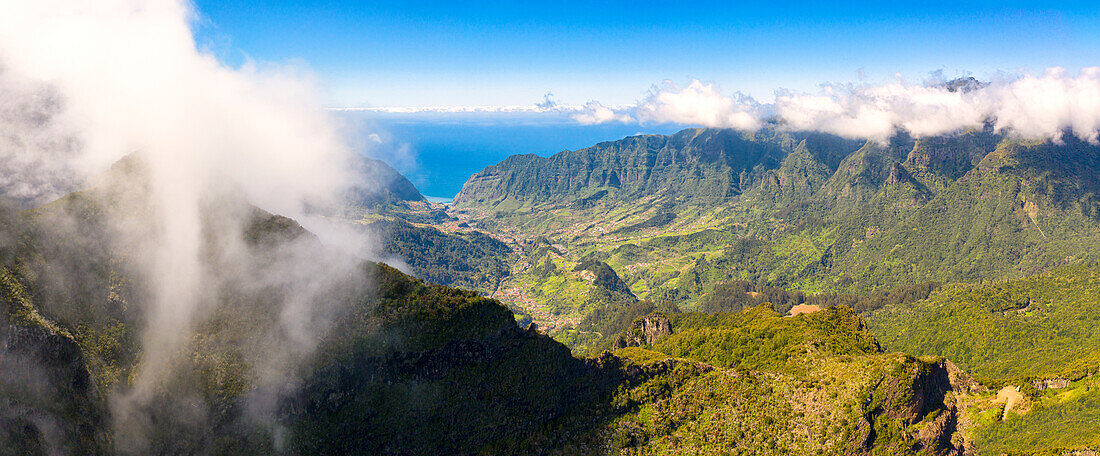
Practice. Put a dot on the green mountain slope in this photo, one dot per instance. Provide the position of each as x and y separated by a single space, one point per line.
1042 326
1037 334
678 216
463 258
811 384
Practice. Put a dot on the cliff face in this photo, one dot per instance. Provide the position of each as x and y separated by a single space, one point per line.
646 330
920 397
49 403
702 165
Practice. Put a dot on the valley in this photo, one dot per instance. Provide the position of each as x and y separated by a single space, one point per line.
807 213
808 222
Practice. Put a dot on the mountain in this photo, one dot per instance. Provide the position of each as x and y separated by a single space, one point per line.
410 231
678 215
705 166
378 190
297 348
979 247
381 184
400 366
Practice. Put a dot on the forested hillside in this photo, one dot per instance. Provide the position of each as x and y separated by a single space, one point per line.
407 230
1038 335
468 259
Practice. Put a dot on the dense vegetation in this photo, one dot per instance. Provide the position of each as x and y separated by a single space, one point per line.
740 294
1037 334
1042 326
469 259
676 216
760 339
1061 421
451 373
787 385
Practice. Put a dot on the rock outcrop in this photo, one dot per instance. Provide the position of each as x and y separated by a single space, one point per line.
1048 383
645 330
920 397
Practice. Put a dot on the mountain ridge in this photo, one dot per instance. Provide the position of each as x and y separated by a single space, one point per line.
755 186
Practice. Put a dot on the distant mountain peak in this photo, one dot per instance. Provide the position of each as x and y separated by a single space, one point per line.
380 184
964 84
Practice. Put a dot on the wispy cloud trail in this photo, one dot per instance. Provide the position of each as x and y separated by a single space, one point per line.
90 82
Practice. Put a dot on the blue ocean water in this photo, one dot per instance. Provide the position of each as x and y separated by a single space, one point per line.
438 152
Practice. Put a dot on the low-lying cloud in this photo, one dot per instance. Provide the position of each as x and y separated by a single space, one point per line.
596 113
1038 107
27 123
698 103
83 84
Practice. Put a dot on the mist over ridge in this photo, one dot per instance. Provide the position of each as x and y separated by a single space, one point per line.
209 150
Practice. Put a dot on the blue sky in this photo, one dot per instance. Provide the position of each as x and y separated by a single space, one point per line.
425 53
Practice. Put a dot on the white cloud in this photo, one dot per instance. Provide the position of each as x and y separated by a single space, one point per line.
1038 107
699 104
596 113
536 108
1044 106
876 111
125 76
36 150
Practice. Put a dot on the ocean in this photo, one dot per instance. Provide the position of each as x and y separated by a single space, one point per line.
439 151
